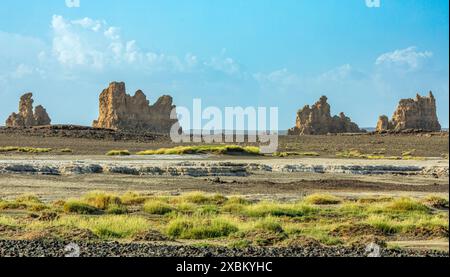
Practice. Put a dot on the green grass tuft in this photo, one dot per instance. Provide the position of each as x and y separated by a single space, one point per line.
157 207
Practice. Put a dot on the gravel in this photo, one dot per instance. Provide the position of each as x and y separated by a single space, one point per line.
55 248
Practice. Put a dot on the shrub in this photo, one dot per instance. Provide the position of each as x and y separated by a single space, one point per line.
322 199
66 150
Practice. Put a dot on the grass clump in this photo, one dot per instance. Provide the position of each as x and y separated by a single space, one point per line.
157 207
263 209
405 204
269 224
385 224
204 149
109 226
322 199
200 228
116 209
101 200
436 202
24 202
203 198
132 198
118 153
66 150
79 207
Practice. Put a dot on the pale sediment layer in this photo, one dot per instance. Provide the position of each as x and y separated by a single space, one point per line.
209 167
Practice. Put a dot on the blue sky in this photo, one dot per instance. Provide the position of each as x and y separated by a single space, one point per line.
227 52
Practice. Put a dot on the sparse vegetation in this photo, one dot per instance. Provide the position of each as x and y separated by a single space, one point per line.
377 155
118 153
236 221
24 149
204 149
289 154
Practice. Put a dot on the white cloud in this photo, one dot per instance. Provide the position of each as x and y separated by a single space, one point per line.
281 77
342 73
409 58
21 71
94 44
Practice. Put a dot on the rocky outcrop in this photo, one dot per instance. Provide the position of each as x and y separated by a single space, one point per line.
223 168
26 117
120 111
317 120
418 113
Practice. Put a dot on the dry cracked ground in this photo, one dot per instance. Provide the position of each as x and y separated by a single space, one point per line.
320 196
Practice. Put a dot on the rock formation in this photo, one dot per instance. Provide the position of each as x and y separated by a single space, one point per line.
317 120
418 113
120 111
26 117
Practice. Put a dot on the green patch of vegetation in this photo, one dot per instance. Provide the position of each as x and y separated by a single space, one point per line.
322 199
66 150
118 153
204 149
200 228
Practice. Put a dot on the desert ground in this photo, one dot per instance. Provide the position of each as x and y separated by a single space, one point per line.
328 195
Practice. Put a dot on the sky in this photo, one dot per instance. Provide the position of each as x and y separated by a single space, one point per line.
228 53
